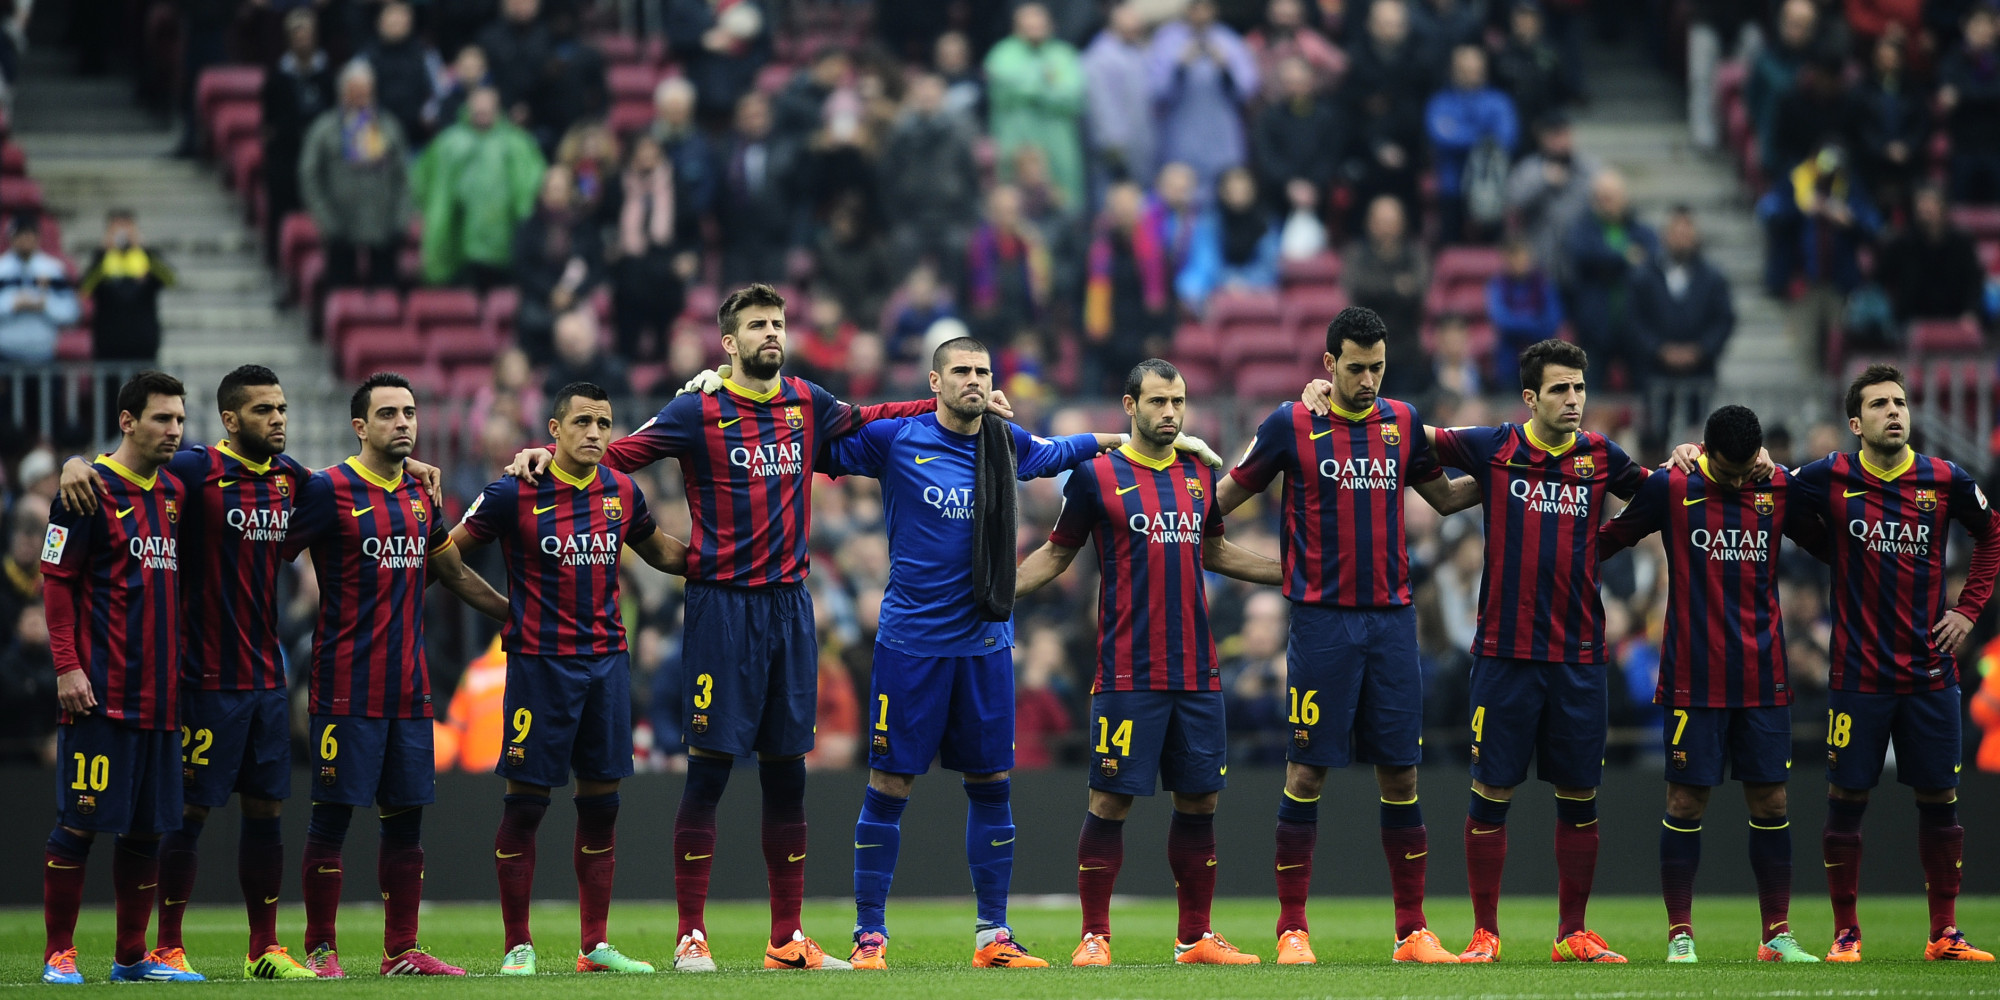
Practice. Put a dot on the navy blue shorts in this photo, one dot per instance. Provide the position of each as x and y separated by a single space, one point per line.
567 713
1924 728
113 778
958 709
236 741
1357 692
1756 743
1175 738
1553 712
361 762
750 670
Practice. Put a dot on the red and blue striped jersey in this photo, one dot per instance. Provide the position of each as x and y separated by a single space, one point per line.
122 566
562 538
1538 595
370 542
1725 637
747 459
232 541
1150 522
1344 480
1889 529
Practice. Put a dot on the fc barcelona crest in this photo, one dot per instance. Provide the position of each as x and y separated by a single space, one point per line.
1926 501
517 754
793 418
326 775
879 746
1680 760
1392 435
417 509
284 487
86 804
699 722
1763 502
1194 487
1302 738
1832 758
1108 766
614 508
1584 466
174 511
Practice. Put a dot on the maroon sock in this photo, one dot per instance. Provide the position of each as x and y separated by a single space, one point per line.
1840 848
62 889
399 871
1485 860
1576 861
1191 856
694 837
596 859
1100 852
1406 844
1941 846
135 876
319 880
1298 833
784 785
514 861
260 870
178 856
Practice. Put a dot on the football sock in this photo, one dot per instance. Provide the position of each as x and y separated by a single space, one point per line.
1406 843
135 874
514 862
989 848
319 871
260 871
62 888
178 855
1576 861
1941 845
1485 858
1680 857
596 861
1771 867
399 871
1100 852
1191 856
878 836
1840 849
1298 833
784 785
694 836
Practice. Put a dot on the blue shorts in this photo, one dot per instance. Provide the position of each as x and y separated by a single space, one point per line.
236 741
360 761
567 713
113 778
1553 712
1924 727
958 709
1357 687
749 670
1176 738
1756 743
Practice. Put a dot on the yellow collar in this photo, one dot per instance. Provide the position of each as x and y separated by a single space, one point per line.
1353 416
565 477
1155 464
1909 459
753 395
363 471
143 482
1554 451
259 468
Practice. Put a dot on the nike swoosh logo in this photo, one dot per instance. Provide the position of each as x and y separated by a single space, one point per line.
1091 868
1481 833
1211 862
695 857
863 847
796 963
1691 501
328 871
795 858
502 854
149 885
180 902
1126 490
731 422
1321 434
921 459
1003 843
1955 768
1286 868
268 900
544 510
65 868
1853 493
597 850
126 511
1833 864
362 511
1412 857
1776 925
226 483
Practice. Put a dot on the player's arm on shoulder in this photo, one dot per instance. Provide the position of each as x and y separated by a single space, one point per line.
663 552
81 485
488 516
1220 555
1805 527
448 566
1449 495
862 453
429 476
1042 566
1643 516
1037 456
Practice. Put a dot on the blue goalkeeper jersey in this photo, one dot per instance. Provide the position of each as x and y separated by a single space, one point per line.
927 477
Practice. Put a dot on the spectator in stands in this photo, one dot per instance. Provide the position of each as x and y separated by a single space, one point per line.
1286 35
964 89
1202 76
1606 251
1043 207
1172 212
204 30
1470 124
854 263
1970 98
1682 318
1235 244
921 301
723 43
1530 69
36 297
475 185
516 46
1894 126
558 262
21 565
569 85
590 153
1820 109
1550 189
1523 304
514 395
296 91
798 111
692 155
447 106
1717 29
580 355
1776 71
1388 82
1034 88
755 207
1128 302
1454 369
1816 226
27 689
1931 269
1442 26
1120 123
1007 272
354 172
1043 722
123 283
1298 138
1253 672
406 70
647 291
930 180
1386 271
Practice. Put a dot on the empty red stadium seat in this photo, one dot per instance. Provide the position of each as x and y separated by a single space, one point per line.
633 82
1466 265
501 305
1944 336
13 161
227 83
431 307
1319 270
74 344
352 308
1196 343
298 236
1203 378
369 347
1271 380
245 169
233 120
1981 222
1466 300
19 194
1307 312
1989 256
458 344
467 380
630 115
645 378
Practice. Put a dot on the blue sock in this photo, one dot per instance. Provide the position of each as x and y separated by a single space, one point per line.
1491 812
878 835
989 848
405 826
329 823
1398 815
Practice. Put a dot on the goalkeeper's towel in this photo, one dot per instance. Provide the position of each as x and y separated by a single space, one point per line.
995 509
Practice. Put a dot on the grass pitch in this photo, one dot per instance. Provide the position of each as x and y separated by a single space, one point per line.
930 953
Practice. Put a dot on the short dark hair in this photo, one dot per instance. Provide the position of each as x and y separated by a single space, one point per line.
956 344
235 388
120 215
358 406
132 396
1873 375
755 294
1734 433
1359 325
1136 378
1540 355
588 390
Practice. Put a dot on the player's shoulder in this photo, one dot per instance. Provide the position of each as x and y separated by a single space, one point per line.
193 463
291 467
1397 410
